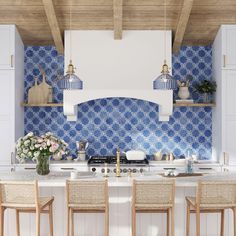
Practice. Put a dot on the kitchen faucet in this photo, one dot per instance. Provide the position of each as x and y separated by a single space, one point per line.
118 163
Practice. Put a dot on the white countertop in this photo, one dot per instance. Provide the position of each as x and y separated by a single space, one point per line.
57 179
175 163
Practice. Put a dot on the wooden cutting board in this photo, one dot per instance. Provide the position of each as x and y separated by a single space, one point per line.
44 88
34 93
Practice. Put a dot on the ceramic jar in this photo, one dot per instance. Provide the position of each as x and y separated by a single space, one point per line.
57 156
183 92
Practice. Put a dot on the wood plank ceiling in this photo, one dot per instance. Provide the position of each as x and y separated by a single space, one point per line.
33 19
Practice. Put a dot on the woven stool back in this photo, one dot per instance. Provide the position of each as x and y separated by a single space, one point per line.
154 192
217 192
17 192
87 192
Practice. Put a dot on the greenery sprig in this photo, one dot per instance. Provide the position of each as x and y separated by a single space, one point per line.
206 86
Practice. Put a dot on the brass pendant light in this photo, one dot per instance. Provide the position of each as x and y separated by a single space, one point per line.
165 81
70 81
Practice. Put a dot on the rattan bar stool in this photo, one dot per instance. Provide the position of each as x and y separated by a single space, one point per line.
154 197
24 198
212 197
86 197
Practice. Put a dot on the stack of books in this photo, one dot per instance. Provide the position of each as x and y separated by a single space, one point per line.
184 101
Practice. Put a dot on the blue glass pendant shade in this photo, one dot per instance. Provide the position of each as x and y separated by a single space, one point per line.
70 81
165 81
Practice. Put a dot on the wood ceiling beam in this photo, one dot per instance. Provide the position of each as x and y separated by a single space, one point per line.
54 26
118 18
182 24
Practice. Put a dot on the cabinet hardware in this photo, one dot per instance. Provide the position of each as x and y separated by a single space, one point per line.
224 60
203 168
30 168
169 168
67 168
12 160
12 60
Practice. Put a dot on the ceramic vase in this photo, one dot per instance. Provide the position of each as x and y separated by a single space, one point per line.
57 156
183 92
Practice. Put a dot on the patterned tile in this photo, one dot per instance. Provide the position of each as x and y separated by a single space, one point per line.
123 122
194 62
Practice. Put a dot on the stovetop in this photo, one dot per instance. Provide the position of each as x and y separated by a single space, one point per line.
111 160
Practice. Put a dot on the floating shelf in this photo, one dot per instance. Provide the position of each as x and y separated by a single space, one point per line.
175 105
194 104
42 105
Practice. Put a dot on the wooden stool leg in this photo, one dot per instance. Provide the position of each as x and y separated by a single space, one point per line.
172 221
51 219
106 222
72 222
222 222
17 223
168 222
133 222
188 220
234 210
2 221
68 222
37 223
197 221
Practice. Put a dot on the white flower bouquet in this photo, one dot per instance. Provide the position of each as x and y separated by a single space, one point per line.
31 146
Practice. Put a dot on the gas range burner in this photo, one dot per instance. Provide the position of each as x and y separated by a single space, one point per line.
111 160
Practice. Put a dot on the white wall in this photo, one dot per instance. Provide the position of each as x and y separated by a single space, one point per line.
105 63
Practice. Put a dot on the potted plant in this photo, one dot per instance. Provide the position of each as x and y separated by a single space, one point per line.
206 87
39 149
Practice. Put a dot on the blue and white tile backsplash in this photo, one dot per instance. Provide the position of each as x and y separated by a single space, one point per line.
123 122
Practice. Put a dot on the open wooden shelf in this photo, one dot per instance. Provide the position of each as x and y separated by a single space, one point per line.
194 104
175 105
42 105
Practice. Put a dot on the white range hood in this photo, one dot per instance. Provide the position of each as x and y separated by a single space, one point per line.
117 68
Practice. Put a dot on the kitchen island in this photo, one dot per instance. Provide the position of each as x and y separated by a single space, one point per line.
119 203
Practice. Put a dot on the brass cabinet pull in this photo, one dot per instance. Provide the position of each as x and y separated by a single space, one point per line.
12 57
224 60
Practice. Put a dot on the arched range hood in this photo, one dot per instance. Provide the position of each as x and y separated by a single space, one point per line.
161 97
117 68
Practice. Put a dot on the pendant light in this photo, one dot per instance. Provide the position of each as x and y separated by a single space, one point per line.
70 81
165 81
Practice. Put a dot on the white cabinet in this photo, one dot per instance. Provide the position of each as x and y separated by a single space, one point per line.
224 72
229 46
7 33
11 91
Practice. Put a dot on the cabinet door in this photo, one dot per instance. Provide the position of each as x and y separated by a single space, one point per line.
7 93
6 140
229 114
7 115
230 138
229 95
229 47
7 47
